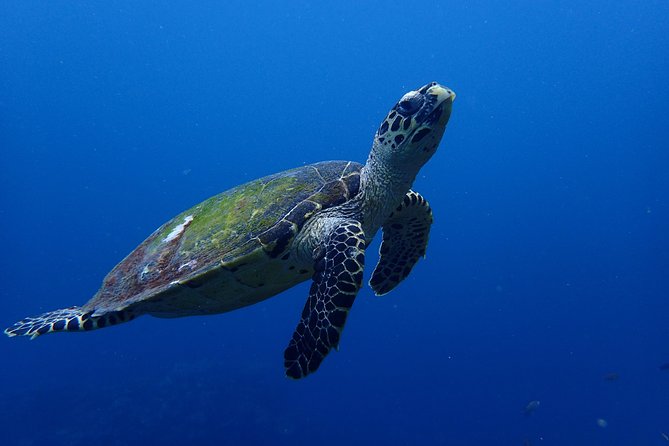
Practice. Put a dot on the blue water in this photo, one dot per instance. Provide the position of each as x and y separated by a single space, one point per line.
548 264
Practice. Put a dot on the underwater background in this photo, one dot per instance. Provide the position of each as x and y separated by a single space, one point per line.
547 272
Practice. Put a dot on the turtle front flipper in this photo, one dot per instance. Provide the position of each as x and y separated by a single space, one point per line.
66 319
337 279
405 235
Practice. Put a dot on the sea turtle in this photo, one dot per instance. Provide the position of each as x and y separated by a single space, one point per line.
263 237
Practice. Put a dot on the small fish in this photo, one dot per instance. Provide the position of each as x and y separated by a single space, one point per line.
531 407
664 436
613 376
601 422
665 366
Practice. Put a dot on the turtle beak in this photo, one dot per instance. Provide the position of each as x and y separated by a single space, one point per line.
441 93
442 100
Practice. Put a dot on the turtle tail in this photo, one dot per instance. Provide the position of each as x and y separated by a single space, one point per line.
66 319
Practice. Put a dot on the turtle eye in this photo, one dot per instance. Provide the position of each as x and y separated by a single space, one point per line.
410 103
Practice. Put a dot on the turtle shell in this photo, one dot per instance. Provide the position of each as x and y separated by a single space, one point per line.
251 224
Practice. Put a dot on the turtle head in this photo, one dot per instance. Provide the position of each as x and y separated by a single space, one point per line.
411 132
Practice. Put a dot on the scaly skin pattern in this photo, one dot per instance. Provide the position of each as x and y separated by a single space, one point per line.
405 236
66 319
337 279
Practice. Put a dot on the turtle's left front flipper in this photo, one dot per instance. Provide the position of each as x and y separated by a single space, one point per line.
405 235
337 279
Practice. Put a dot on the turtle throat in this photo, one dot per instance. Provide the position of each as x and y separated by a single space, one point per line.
383 185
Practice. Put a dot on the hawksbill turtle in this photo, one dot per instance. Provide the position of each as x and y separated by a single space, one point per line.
258 239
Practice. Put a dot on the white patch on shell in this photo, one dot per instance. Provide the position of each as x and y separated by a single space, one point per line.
176 232
190 265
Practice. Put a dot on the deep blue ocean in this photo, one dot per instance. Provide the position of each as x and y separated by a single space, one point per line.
547 272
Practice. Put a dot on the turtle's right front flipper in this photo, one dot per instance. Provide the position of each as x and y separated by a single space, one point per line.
337 279
66 319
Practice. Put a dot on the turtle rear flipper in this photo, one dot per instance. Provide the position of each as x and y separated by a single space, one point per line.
66 319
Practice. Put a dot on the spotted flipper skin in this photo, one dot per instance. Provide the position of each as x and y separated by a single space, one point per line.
66 319
337 279
405 236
